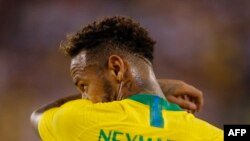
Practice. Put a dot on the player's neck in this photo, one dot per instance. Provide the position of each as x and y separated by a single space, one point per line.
145 83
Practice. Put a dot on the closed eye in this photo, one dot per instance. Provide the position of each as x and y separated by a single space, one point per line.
82 87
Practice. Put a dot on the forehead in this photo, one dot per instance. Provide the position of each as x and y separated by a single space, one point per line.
80 64
79 60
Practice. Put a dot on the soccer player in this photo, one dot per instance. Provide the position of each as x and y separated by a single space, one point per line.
111 65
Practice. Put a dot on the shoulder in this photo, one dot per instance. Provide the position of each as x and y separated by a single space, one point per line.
191 126
77 103
203 129
63 119
67 112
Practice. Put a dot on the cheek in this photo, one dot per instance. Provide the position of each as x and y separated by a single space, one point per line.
102 91
102 88
96 92
109 87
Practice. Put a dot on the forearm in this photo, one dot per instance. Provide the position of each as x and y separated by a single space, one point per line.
169 86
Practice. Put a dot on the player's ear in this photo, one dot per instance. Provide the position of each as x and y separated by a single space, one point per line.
116 67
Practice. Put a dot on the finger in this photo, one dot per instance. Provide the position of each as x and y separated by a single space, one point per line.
192 93
186 98
183 103
189 111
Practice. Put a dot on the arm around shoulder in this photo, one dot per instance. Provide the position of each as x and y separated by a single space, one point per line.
37 114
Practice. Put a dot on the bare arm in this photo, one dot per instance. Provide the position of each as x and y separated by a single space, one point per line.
183 94
36 115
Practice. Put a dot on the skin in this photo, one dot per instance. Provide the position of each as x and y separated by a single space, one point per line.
116 81
183 94
120 79
132 77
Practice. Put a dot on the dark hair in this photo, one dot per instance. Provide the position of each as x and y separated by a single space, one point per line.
122 32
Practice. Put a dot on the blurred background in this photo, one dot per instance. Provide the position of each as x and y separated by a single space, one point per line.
205 43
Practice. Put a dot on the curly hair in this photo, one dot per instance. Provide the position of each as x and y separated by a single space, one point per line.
122 32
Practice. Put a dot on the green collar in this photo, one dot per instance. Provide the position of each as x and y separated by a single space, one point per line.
147 99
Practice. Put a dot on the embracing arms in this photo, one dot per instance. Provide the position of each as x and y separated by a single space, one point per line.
176 91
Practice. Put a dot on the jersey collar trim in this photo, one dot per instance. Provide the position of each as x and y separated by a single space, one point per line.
147 99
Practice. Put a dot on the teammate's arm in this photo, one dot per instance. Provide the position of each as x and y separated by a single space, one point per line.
36 115
173 90
183 94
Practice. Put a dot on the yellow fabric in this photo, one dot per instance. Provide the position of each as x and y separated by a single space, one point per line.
126 120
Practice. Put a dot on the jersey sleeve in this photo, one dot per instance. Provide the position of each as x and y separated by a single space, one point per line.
202 130
62 123
45 125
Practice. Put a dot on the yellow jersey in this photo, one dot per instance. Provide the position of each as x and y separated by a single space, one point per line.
141 117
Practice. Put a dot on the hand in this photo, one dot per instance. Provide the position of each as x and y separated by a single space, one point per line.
183 94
